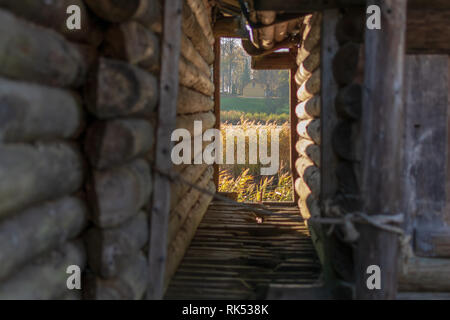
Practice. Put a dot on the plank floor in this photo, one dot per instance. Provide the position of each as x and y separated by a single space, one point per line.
234 257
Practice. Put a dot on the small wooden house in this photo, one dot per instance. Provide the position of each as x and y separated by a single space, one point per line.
86 117
254 90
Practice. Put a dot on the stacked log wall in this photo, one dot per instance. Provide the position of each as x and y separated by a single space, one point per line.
44 209
307 77
77 139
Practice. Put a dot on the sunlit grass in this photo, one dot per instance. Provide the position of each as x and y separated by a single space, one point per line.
245 179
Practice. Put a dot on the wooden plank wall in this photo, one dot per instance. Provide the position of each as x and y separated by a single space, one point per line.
77 144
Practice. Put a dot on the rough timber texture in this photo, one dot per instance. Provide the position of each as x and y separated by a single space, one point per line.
66 68
233 257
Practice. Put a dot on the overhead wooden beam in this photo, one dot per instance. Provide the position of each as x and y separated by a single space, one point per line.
274 61
160 209
304 6
383 142
228 27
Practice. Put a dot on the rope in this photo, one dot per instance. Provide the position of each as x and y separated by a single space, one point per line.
387 223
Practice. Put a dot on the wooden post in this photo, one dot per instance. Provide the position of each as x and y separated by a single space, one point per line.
171 43
328 118
293 122
217 99
382 129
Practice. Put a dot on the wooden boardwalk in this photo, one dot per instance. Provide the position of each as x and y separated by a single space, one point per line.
232 256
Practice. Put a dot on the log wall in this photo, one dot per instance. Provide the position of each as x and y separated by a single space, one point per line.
307 77
77 138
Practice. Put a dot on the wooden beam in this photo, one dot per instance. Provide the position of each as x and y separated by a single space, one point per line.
217 100
428 31
160 208
274 61
329 161
382 164
433 242
293 122
304 6
228 27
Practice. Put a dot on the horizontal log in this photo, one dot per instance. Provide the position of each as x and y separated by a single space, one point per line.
146 12
24 57
191 173
191 54
344 140
350 28
110 250
133 91
423 296
129 285
348 101
308 149
181 242
432 242
266 37
427 31
208 120
309 109
274 61
191 77
309 173
310 87
54 15
118 194
310 129
310 36
347 64
309 207
32 174
192 29
281 31
29 233
179 214
425 275
308 66
43 113
190 101
45 277
115 142
347 180
132 42
201 13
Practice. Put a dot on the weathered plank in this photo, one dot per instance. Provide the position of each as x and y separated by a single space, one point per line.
382 116
159 217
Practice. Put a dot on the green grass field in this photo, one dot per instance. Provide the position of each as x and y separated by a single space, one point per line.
254 105
260 110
